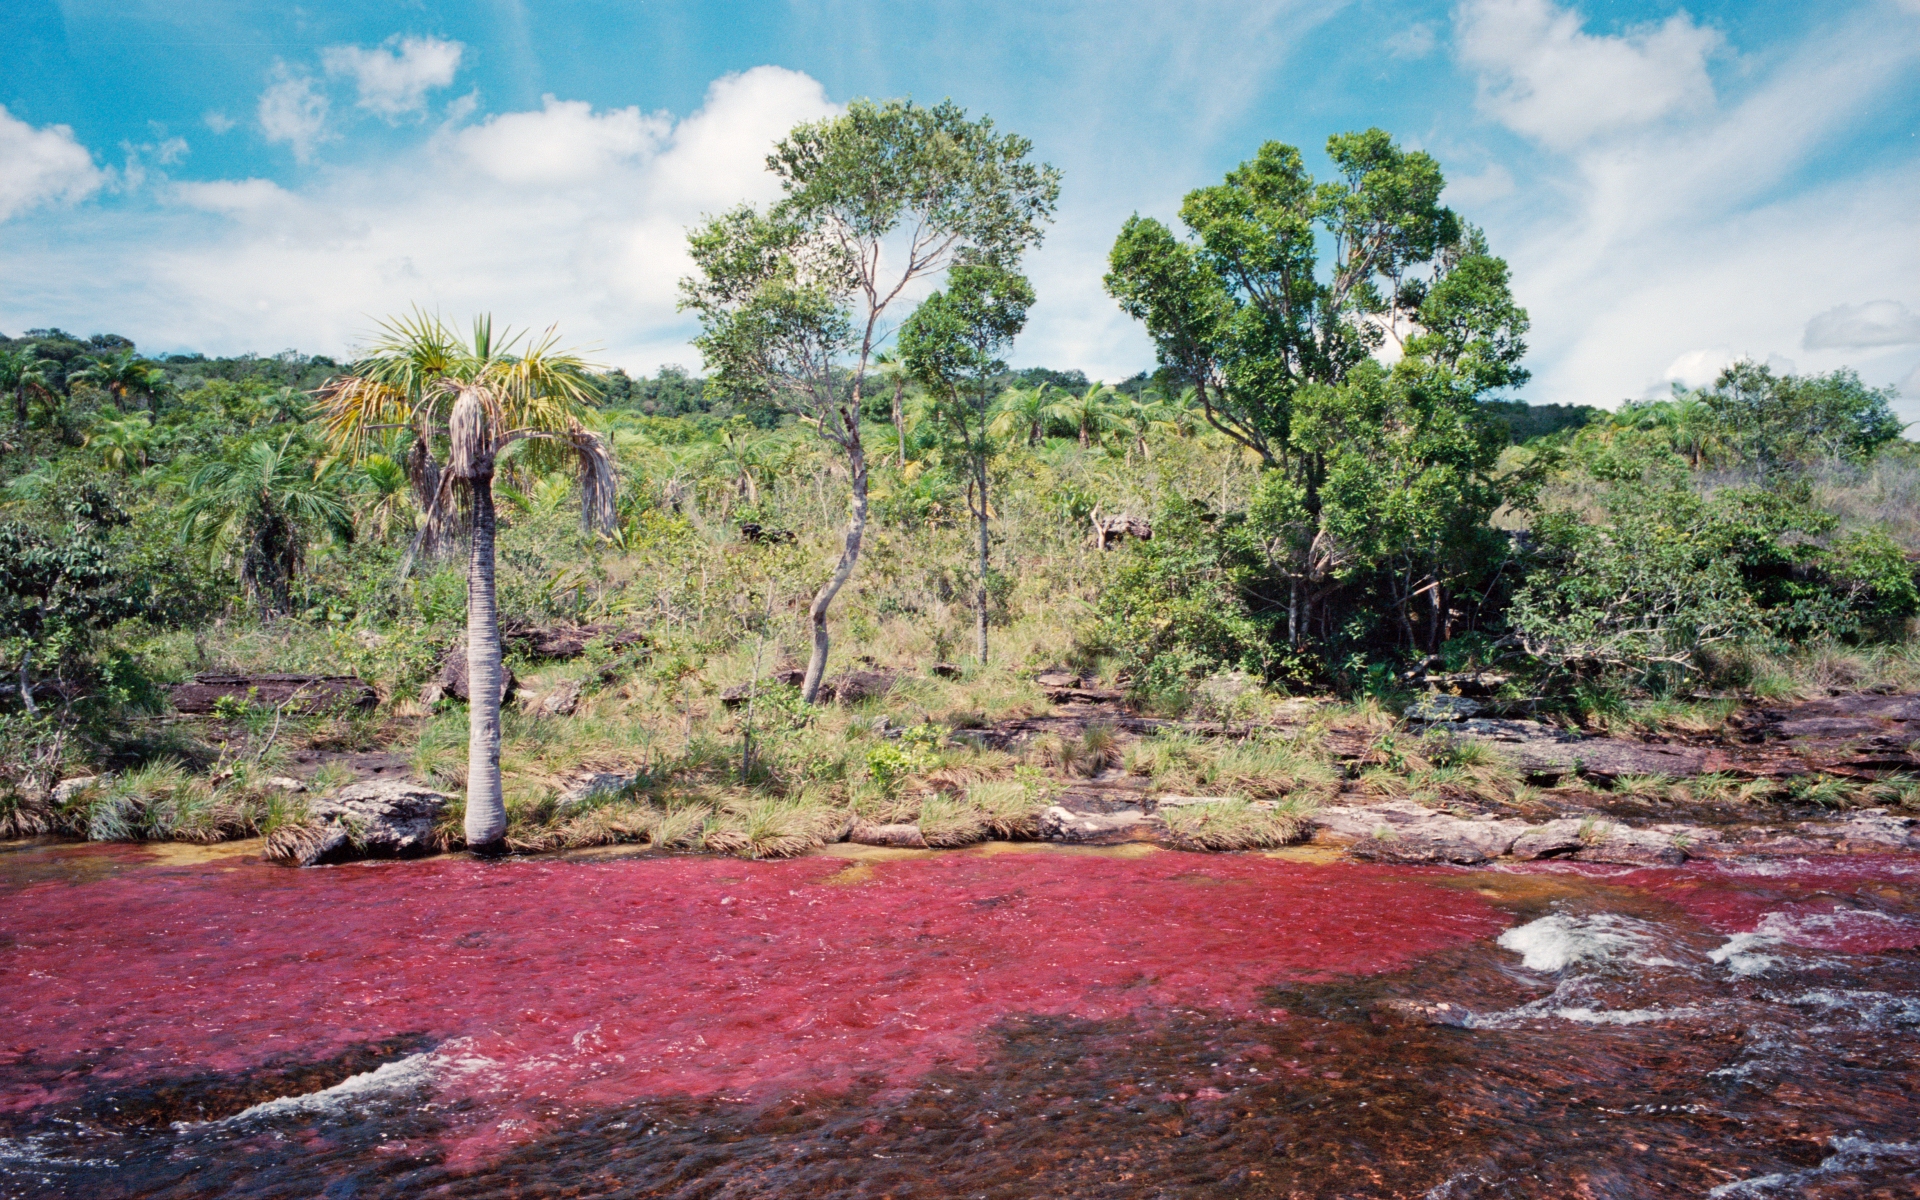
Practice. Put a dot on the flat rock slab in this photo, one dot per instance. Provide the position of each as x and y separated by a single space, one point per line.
1405 832
297 694
1063 825
1538 748
379 818
902 836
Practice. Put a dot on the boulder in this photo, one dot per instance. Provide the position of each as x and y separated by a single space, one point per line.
1555 839
599 785
902 836
1442 839
297 694
66 790
284 783
1110 531
1437 706
453 674
560 702
376 818
566 641
1064 825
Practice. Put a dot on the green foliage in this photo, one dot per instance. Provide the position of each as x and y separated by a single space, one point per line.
260 508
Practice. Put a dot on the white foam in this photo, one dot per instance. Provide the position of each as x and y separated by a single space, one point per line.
401 1075
1557 941
1849 1154
32 1151
1624 1016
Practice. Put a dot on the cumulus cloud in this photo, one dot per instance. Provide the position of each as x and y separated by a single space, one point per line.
1856 326
1545 77
560 214
293 110
217 121
394 79
42 165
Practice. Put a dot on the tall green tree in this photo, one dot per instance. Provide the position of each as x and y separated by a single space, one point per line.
474 398
954 343
1370 468
1779 421
794 302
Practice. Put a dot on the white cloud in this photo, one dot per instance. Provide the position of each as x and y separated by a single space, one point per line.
1698 368
1415 41
562 214
1855 326
1638 250
294 111
1543 76
217 121
1471 191
565 142
394 80
42 165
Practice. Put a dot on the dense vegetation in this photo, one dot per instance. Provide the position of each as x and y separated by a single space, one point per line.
1330 513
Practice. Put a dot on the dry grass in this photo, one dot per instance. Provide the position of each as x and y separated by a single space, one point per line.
1234 824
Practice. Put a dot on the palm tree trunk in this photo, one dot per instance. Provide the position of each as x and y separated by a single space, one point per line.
842 571
980 589
899 422
20 409
472 460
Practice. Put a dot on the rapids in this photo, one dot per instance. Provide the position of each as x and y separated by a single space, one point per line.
1005 1022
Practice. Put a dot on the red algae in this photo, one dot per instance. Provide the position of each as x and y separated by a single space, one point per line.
575 984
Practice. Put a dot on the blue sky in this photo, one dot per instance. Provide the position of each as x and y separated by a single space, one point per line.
1674 186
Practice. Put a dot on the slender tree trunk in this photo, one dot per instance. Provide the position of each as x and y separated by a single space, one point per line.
899 421
472 460
20 409
980 589
842 571
26 680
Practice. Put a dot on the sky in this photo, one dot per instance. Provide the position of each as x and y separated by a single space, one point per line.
1675 187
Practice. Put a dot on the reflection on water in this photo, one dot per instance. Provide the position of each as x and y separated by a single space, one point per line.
984 1024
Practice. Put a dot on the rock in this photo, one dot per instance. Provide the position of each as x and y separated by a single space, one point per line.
1623 844
560 702
1440 840
1546 749
1055 680
284 783
944 670
753 531
1109 532
377 818
900 836
67 790
1063 825
1421 1012
453 673
1160 802
566 641
300 694
1872 829
1555 839
599 785
856 686
432 694
1439 707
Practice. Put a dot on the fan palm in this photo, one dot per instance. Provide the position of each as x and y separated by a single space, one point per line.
1090 414
123 442
477 397
23 372
123 374
260 508
383 501
1024 413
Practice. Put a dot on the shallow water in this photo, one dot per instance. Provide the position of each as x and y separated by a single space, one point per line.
1008 1022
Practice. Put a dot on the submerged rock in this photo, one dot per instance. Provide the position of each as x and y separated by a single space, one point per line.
377 818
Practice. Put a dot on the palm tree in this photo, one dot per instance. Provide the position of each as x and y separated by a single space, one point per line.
22 371
260 508
1024 412
123 441
478 397
383 503
1090 413
1139 416
123 374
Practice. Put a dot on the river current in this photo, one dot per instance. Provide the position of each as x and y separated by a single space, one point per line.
1007 1022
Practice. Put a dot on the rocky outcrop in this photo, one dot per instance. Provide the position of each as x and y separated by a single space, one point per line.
295 694
1541 749
452 680
1872 829
567 641
378 818
1059 824
588 789
902 836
